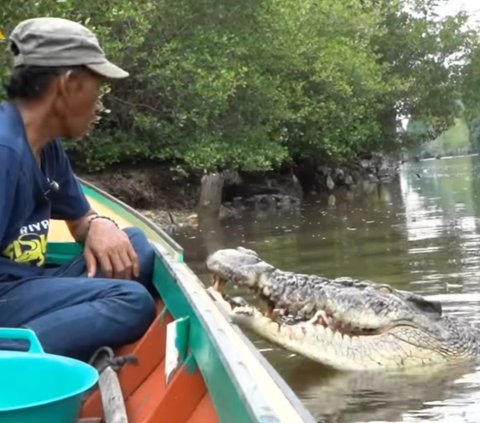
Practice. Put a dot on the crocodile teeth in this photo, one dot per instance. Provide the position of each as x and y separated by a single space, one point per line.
247 311
328 332
322 318
219 284
337 337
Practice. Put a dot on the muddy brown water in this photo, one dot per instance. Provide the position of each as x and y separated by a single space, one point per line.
422 234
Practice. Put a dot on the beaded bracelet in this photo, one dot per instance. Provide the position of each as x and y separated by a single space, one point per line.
97 216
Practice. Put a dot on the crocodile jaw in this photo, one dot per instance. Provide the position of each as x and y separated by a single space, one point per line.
340 351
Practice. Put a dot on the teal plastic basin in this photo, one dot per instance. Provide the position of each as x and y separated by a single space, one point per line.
36 387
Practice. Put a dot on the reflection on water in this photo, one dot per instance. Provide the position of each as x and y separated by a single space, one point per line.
381 396
418 234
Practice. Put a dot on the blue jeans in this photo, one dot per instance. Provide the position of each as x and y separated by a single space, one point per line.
73 315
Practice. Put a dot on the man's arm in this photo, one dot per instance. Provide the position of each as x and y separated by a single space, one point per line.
106 246
78 228
8 184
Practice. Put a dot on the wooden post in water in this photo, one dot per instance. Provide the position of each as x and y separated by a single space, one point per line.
210 195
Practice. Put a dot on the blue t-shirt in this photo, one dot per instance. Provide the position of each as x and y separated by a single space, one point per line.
30 195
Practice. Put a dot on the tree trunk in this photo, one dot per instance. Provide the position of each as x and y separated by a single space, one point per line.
210 195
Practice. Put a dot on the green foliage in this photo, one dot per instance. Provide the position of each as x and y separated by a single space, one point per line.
454 141
423 56
471 95
475 133
417 131
455 138
220 84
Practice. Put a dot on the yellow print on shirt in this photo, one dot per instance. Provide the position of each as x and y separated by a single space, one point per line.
28 249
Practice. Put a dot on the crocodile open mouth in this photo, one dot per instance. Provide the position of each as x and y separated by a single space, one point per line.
345 323
321 318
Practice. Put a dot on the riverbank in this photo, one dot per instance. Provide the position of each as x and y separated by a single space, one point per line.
159 193
169 197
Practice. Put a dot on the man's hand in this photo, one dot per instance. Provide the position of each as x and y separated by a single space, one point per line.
109 248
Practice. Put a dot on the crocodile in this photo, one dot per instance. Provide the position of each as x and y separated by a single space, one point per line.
344 323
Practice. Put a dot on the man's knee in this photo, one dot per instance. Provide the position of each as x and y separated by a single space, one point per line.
140 243
139 306
136 235
144 250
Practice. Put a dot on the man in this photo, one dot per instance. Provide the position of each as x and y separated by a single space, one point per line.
59 68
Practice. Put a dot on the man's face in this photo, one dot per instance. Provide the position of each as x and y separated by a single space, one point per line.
78 102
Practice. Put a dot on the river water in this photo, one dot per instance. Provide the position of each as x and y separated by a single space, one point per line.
421 233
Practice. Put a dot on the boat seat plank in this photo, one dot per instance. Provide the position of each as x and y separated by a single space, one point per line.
150 352
204 412
156 402
144 399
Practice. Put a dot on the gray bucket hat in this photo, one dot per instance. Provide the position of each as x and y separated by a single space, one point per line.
60 42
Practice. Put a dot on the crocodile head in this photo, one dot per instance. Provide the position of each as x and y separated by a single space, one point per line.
345 323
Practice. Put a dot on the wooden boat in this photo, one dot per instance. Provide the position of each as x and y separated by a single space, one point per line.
193 364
